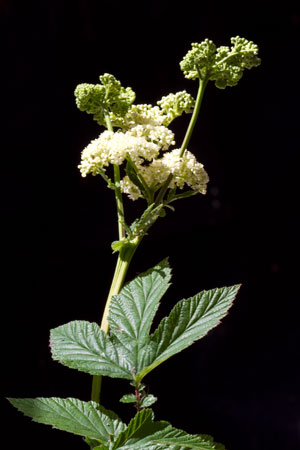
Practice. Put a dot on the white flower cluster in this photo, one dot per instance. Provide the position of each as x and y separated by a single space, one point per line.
158 134
185 170
113 148
127 187
142 140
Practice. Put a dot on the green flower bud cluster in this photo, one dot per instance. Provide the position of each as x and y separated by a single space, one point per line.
101 99
169 107
224 65
173 105
198 61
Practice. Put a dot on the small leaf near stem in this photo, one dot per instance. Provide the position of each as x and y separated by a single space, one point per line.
143 400
148 400
128 398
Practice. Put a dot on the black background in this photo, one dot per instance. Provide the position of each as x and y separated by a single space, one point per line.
241 382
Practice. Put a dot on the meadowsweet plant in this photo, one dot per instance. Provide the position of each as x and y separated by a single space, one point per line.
136 155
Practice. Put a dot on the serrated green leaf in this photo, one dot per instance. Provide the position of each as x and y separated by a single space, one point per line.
128 398
189 321
140 431
132 311
84 346
186 441
140 419
87 419
144 433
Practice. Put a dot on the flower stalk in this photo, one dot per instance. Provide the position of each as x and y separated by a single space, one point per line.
188 134
117 188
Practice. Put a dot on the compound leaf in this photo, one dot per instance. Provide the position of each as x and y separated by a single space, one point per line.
129 351
84 346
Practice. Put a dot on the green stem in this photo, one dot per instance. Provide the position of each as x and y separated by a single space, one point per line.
148 192
118 194
122 265
163 189
187 137
119 202
189 131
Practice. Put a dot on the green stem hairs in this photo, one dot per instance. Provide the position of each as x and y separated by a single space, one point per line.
133 157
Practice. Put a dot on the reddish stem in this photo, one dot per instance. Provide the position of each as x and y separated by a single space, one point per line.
138 397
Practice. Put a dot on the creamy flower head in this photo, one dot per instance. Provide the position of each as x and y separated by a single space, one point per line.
129 188
158 134
113 148
141 143
186 170
94 157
